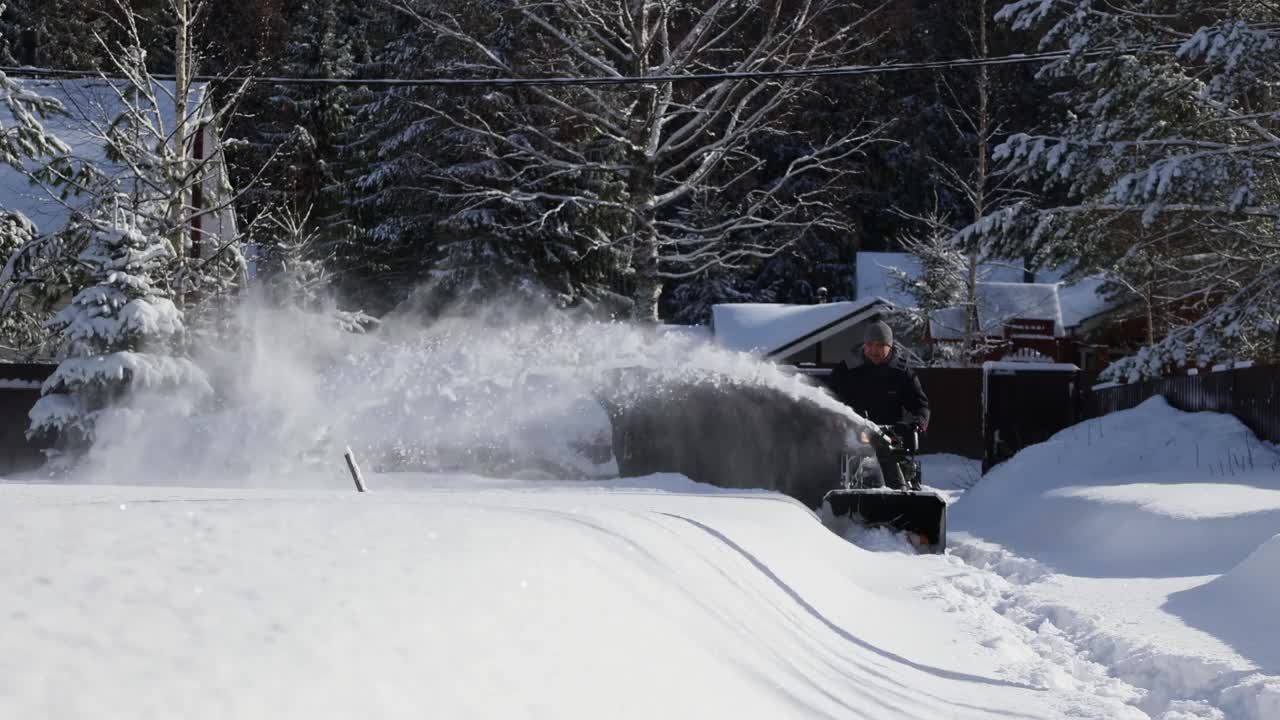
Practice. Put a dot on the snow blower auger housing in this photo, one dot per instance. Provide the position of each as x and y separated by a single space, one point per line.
892 497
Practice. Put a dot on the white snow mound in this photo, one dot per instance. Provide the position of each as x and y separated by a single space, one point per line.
1147 492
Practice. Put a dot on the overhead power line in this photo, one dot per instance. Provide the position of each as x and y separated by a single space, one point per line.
825 72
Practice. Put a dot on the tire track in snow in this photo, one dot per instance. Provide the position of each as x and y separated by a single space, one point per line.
937 706
857 699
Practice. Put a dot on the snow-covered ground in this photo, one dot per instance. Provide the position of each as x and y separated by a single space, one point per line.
217 563
542 601
1150 541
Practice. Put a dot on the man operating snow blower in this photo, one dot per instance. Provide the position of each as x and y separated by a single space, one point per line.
886 492
877 383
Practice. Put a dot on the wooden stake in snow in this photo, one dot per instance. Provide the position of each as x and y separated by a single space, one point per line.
355 470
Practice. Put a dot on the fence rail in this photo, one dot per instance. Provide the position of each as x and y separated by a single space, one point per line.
1251 394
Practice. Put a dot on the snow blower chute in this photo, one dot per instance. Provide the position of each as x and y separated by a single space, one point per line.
874 495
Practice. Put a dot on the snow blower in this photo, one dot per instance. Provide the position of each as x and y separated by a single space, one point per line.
880 487
737 435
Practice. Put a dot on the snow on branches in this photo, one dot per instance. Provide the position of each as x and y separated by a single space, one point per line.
119 335
627 171
1166 169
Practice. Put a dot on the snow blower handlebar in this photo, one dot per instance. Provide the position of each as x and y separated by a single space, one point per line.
900 438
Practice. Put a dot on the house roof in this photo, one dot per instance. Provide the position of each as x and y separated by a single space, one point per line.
999 302
89 104
778 330
875 278
1083 300
875 275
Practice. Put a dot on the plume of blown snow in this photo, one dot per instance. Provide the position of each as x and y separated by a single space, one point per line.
483 392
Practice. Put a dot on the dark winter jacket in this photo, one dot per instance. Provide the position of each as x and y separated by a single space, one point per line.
881 393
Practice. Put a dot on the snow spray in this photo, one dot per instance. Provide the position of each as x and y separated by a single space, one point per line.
482 393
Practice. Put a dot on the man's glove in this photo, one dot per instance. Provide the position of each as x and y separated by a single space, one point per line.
903 429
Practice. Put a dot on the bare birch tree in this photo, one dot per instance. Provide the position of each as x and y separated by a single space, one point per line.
952 258
659 155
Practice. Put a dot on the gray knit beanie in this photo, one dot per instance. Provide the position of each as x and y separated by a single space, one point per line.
878 332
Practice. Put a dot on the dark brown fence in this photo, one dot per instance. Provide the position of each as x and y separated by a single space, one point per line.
19 390
955 404
1251 394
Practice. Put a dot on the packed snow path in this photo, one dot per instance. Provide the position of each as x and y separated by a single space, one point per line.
482 599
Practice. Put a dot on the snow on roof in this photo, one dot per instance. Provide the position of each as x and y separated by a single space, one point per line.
1083 300
767 327
947 324
999 302
998 366
875 275
88 103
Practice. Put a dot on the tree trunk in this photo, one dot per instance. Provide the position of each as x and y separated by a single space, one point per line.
182 88
645 255
1275 342
648 283
981 175
1151 302
642 182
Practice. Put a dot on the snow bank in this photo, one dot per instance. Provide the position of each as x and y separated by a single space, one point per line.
1147 538
1146 492
1242 606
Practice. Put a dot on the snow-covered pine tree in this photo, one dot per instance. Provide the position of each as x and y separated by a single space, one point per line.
692 299
24 137
387 180
294 269
944 268
78 34
943 282
811 270
61 31
21 322
1167 159
121 335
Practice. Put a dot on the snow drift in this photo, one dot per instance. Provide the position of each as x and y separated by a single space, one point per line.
1160 493
1147 539
1241 606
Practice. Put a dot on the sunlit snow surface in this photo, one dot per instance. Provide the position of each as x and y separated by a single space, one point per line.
1148 540
610 600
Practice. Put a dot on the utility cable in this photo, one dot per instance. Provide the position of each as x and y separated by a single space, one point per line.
823 72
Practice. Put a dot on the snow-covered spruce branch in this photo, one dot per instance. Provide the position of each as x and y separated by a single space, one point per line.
1248 316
